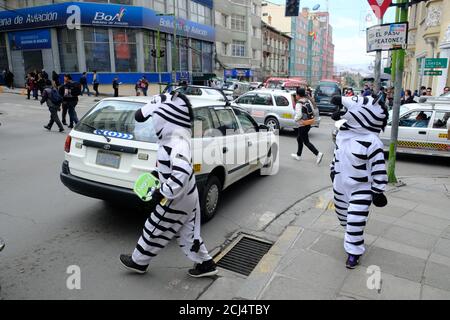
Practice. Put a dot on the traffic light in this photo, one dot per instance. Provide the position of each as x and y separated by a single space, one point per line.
153 53
162 53
292 8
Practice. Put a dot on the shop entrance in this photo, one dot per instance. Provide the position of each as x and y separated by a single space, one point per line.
33 60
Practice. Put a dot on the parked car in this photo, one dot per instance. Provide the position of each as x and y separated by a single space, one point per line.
202 92
423 128
274 108
108 150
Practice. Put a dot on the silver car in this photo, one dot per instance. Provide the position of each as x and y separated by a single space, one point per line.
274 108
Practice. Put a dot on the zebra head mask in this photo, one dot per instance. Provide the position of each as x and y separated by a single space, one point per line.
172 116
363 114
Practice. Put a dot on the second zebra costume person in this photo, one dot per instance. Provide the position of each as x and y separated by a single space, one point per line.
358 169
177 213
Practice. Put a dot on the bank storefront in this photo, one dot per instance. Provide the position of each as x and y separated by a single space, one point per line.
114 40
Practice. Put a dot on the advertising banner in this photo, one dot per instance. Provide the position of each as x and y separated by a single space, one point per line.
30 40
387 37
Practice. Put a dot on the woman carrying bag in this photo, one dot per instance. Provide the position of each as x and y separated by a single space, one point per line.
304 116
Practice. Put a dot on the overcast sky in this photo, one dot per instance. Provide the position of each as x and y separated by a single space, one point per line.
349 18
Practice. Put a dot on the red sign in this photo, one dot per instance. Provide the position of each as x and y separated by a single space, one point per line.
379 7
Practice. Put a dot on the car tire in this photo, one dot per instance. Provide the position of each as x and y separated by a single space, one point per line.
272 123
210 198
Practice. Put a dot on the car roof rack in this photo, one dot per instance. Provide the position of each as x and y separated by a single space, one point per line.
437 100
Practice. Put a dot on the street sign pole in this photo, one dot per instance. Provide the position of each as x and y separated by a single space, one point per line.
377 76
401 16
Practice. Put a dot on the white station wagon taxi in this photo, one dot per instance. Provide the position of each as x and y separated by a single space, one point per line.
108 150
423 128
274 108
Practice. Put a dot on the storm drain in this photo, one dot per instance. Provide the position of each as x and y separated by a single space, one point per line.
243 255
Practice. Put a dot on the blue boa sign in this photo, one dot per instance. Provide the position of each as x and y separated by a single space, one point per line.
76 14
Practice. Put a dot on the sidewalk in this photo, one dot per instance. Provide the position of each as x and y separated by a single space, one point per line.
409 241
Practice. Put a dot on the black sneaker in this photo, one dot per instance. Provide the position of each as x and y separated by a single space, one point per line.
205 269
2 244
352 261
48 128
130 265
61 130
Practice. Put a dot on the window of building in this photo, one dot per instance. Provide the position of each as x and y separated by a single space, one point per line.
207 60
238 49
125 50
196 56
158 5
201 13
96 46
152 64
225 48
67 43
183 44
182 8
224 20
238 22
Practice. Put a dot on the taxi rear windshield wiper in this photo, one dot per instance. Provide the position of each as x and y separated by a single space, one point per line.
96 131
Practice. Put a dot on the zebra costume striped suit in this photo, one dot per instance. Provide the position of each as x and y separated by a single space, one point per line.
180 216
358 167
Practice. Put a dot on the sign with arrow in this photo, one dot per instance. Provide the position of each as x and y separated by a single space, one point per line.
379 7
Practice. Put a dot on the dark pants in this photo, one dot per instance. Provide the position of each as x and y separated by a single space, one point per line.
85 88
303 139
35 93
54 118
65 108
96 89
72 113
116 92
145 90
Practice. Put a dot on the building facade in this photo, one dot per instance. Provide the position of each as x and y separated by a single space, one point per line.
276 46
311 47
113 37
238 39
429 37
320 61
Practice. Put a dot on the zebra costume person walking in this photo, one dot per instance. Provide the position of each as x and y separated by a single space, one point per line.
358 169
177 213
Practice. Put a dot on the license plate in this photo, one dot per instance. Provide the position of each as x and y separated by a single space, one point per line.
107 159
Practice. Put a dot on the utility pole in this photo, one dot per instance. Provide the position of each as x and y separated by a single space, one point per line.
398 61
177 58
377 76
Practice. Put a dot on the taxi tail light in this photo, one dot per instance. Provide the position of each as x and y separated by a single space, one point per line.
67 144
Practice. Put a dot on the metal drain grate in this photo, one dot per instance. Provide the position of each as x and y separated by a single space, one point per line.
243 255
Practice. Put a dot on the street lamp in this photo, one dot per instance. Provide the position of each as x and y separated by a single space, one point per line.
158 47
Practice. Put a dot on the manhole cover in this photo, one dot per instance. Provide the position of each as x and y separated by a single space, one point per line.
243 255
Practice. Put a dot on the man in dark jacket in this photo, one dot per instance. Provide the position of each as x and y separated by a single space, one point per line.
69 91
115 85
52 107
84 84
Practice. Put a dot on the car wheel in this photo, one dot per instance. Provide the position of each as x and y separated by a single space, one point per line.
211 198
272 123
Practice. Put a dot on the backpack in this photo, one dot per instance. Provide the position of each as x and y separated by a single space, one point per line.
55 97
75 90
308 111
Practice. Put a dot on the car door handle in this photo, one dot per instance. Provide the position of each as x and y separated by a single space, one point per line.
422 132
250 143
225 150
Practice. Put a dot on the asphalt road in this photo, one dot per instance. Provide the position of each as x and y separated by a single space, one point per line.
47 228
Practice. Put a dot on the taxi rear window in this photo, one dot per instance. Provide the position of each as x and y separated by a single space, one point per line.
116 119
